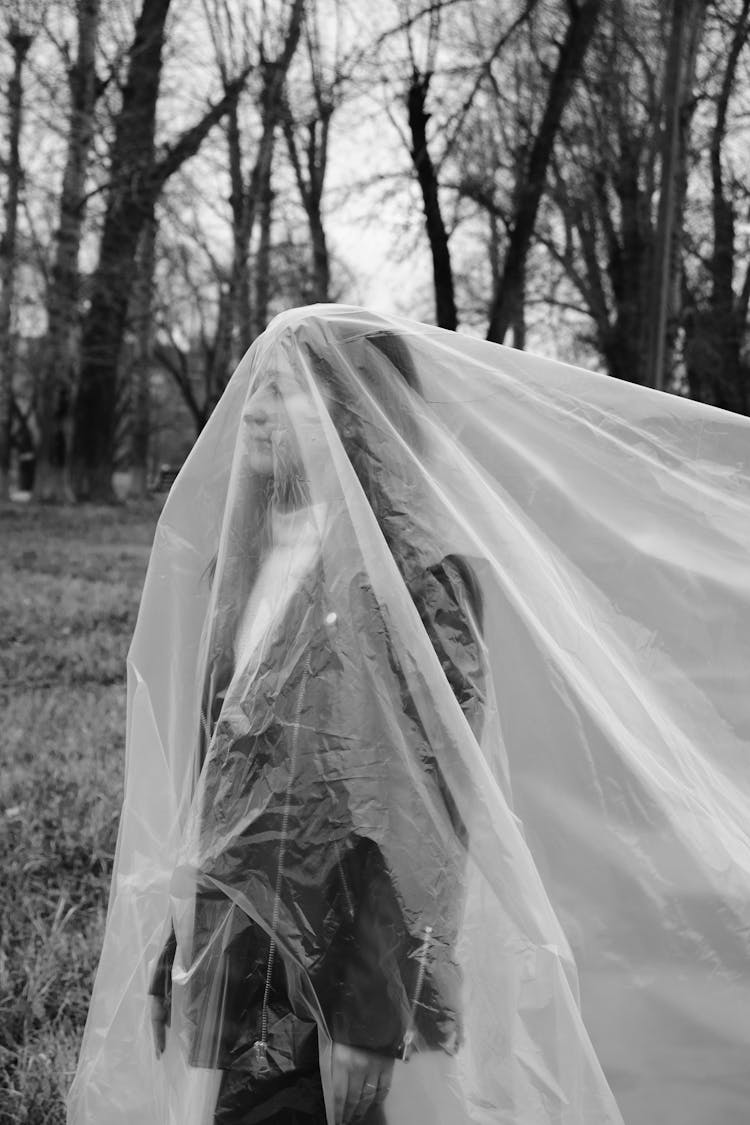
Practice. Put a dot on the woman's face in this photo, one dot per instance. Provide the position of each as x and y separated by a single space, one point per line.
284 431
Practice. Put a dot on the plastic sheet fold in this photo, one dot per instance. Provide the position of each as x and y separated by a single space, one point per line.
438 761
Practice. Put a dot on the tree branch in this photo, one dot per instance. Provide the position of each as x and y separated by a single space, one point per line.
190 141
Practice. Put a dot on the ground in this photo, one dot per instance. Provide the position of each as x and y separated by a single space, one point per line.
70 583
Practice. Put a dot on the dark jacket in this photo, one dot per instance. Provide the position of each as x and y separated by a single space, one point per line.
325 887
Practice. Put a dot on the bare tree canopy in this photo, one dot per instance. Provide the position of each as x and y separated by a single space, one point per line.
572 174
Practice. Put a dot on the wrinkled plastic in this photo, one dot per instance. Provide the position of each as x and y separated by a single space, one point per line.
437 747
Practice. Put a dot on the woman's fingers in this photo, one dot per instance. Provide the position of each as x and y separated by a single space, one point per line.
340 1076
355 1103
159 1022
385 1077
376 1085
368 1096
350 1068
361 1079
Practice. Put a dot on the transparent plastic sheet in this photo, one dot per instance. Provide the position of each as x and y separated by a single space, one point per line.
437 748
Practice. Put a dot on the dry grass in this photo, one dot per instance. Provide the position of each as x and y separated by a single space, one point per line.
70 581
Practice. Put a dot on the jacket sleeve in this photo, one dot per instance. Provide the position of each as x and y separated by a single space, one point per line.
161 977
160 982
386 992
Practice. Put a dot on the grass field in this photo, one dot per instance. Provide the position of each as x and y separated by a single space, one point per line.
70 582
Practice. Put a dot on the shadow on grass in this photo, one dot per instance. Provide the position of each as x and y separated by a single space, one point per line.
70 583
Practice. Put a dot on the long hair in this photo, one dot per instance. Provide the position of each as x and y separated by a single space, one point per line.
373 394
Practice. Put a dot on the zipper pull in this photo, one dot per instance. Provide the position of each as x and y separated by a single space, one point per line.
408 1043
260 1050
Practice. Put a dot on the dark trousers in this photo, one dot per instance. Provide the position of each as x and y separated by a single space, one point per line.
291 1099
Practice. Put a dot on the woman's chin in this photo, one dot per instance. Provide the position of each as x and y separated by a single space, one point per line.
261 460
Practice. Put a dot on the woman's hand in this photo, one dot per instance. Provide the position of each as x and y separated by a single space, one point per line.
160 1016
361 1079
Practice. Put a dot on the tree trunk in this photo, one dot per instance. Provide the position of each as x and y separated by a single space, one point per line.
19 44
237 319
584 17
686 14
317 162
442 271
687 111
128 206
58 363
136 181
612 167
142 321
272 109
630 262
263 257
310 183
321 290
259 184
718 371
235 296
518 323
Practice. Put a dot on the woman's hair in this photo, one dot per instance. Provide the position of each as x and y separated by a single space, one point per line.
396 350
359 376
374 406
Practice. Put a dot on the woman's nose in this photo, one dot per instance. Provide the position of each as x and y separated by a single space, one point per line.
257 412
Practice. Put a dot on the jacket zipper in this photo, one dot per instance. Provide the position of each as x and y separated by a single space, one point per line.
260 1046
345 885
410 1034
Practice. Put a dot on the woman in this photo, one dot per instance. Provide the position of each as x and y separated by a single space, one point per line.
368 968
437 777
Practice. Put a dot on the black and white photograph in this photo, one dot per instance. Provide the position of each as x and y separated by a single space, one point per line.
374 562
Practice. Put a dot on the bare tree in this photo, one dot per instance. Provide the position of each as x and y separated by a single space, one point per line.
718 297
442 270
434 149
424 167
19 36
307 128
454 148
489 138
583 18
686 22
58 367
137 177
604 231
605 176
259 310
648 81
